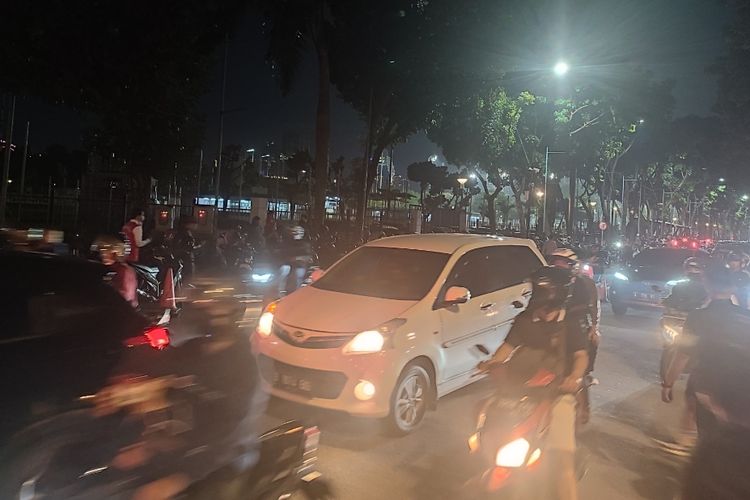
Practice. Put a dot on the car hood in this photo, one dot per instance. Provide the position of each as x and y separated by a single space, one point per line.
655 274
310 308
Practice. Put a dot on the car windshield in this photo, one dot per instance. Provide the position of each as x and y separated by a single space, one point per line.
386 273
665 261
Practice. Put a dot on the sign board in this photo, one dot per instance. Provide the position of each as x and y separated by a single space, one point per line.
603 226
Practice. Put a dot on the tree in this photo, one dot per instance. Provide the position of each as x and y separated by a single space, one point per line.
478 131
136 69
292 27
394 60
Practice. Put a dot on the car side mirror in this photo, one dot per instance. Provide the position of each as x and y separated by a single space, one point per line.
316 275
456 295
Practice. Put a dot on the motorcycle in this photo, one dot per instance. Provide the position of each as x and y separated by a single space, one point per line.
151 278
509 438
159 410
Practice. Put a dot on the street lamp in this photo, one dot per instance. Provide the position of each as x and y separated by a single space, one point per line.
539 193
561 68
722 179
745 197
462 181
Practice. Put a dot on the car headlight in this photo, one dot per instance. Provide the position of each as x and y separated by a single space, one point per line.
261 277
621 276
265 323
375 340
366 342
676 282
513 454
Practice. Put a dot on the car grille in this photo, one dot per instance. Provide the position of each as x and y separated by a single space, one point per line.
306 382
299 338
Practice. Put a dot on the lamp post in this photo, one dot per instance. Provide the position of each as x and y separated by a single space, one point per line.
462 181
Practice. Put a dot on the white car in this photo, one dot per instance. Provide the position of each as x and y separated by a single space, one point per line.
393 326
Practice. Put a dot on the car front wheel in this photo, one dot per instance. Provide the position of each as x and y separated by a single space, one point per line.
409 400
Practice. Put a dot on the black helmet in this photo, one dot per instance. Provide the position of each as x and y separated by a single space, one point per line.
550 287
693 267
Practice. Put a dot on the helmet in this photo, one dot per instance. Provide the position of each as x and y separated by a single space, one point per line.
693 267
550 287
564 256
734 257
111 244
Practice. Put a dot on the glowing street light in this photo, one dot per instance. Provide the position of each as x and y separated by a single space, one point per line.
745 197
592 203
539 193
462 181
722 179
561 68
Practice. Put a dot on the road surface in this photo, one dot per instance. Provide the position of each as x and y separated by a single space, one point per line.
433 463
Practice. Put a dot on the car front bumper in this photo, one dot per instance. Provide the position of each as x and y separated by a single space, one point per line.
326 378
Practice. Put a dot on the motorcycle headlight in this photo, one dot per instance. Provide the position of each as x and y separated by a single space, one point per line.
513 454
261 277
621 276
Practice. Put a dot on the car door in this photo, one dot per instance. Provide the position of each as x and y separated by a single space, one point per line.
496 277
463 325
512 265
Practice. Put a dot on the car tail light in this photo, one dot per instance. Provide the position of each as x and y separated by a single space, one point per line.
155 336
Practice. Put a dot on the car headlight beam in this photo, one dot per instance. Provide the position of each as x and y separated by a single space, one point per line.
621 276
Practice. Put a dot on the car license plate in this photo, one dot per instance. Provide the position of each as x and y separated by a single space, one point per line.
645 296
293 383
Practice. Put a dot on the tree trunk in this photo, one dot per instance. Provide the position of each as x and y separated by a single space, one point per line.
491 213
322 139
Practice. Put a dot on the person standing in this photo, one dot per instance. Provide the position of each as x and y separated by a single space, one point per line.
133 232
122 278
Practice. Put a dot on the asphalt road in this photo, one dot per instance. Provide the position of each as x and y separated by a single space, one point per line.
433 463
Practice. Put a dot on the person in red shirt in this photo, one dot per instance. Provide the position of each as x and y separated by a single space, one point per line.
113 253
133 232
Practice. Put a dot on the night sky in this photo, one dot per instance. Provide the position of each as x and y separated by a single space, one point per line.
676 40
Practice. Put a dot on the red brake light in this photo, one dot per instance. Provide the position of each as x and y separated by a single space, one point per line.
675 243
157 336
694 245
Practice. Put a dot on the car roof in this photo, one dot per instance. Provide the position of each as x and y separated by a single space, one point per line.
446 242
50 268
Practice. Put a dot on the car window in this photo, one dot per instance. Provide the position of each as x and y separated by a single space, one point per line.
514 264
474 271
388 273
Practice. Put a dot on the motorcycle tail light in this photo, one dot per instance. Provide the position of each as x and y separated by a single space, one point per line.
155 336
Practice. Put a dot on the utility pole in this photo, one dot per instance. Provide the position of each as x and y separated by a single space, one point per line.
390 180
547 152
23 160
221 122
200 171
6 159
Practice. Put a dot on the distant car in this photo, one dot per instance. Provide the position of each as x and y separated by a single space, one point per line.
649 278
723 248
393 326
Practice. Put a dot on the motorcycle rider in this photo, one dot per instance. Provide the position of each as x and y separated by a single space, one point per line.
690 294
583 307
736 263
133 232
543 327
685 297
113 252
219 374
295 255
